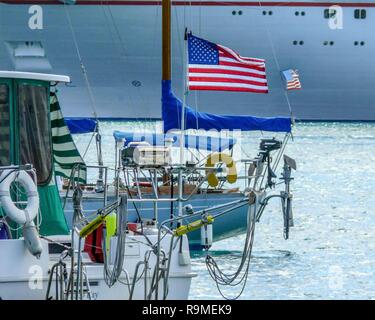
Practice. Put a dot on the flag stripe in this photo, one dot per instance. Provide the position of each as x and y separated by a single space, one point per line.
229 52
231 80
224 85
226 71
224 57
228 88
223 67
240 65
247 61
227 76
294 82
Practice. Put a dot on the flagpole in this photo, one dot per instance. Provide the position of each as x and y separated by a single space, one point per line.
185 91
289 105
166 39
182 131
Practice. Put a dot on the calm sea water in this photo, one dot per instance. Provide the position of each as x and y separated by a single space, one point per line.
331 250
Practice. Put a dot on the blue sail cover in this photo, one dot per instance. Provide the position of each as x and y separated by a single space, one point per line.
172 108
191 141
80 125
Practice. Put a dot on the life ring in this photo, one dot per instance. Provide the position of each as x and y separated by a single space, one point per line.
215 158
20 216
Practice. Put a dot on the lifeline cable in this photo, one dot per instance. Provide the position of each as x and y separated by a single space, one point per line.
111 276
231 279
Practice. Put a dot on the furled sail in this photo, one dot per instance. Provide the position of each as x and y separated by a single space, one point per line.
172 108
213 144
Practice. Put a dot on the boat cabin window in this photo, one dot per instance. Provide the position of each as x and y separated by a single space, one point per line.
34 129
4 125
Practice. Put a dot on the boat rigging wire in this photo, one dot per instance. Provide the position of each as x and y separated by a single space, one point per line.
276 60
83 68
85 75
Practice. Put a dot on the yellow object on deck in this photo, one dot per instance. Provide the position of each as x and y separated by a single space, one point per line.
91 226
110 222
192 226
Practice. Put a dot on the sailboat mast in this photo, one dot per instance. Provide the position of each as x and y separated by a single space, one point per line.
166 39
166 64
166 76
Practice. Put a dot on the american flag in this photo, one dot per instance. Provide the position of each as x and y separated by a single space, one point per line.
215 67
292 79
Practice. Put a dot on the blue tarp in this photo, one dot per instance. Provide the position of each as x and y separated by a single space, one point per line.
191 141
172 108
80 125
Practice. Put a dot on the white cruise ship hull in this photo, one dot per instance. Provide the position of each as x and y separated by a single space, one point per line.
119 44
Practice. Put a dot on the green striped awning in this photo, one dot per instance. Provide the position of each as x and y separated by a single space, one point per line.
65 152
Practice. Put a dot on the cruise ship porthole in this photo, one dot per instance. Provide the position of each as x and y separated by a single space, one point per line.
270 13
331 43
136 83
360 14
325 43
301 43
234 13
264 13
297 13
329 13
356 43
362 43
295 42
240 12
